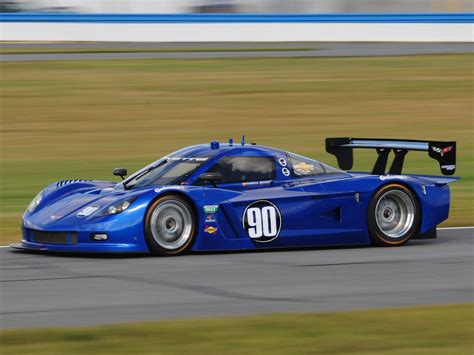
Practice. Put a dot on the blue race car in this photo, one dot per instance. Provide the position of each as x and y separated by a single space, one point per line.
230 196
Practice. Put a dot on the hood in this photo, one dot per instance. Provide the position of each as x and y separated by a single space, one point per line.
65 199
63 202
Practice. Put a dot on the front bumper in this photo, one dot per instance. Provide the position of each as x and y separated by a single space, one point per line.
79 240
105 248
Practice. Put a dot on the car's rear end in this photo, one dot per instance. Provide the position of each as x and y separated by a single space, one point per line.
402 206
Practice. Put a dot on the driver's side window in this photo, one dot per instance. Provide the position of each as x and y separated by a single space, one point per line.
244 169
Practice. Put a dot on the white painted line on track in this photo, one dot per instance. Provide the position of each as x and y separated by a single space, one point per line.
443 228
454 228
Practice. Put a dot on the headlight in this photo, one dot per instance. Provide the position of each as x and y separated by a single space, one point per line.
36 201
118 207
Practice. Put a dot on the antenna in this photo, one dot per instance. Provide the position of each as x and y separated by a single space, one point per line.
231 142
243 140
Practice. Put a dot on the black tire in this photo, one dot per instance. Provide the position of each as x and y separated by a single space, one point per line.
170 226
393 215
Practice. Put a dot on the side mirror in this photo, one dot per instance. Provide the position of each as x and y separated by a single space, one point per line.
122 172
211 178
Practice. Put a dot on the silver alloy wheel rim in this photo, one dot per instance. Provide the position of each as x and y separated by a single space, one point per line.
171 224
395 213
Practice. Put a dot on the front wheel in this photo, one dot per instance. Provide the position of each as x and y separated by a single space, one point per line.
393 215
169 226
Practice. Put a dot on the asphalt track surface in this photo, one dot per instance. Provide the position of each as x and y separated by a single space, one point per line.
273 50
55 290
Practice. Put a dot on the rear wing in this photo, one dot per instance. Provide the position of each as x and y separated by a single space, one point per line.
342 148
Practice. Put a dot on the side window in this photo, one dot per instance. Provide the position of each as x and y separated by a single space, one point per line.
304 167
245 169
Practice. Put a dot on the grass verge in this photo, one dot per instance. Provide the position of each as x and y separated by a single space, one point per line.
140 50
418 330
80 119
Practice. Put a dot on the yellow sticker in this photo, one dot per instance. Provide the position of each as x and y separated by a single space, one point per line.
210 229
304 168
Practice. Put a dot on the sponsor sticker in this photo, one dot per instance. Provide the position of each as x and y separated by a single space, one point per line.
210 229
87 211
210 208
303 168
392 177
210 218
448 167
442 151
263 182
191 159
423 189
262 221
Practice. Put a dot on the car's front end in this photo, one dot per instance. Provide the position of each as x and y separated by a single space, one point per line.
100 216
85 216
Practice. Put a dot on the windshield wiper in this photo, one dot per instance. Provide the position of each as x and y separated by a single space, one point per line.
143 173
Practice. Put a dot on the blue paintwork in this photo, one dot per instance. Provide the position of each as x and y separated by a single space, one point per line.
239 18
307 206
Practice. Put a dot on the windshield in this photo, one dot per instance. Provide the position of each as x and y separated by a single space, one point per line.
167 171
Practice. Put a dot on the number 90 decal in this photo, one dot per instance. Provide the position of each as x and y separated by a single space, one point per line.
262 221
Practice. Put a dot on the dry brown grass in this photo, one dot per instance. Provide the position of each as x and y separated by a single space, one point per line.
79 119
416 330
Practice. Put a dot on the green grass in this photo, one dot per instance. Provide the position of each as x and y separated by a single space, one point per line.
80 119
417 330
49 50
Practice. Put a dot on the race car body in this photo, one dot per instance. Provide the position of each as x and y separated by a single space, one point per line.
216 196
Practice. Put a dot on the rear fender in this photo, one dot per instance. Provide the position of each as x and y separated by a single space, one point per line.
434 201
432 192
433 196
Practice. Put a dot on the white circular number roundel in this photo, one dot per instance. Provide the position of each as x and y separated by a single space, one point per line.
262 221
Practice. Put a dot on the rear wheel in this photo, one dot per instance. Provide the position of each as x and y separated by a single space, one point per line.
170 226
393 216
